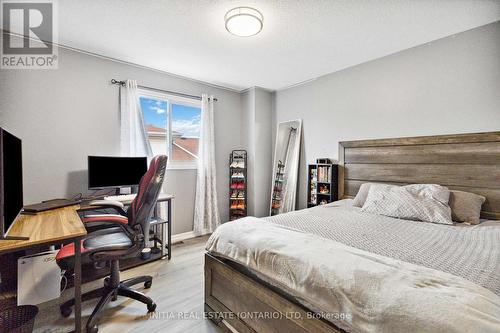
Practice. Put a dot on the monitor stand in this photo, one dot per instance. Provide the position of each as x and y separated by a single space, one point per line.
133 190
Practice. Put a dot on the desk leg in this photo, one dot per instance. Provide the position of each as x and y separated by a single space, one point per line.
78 286
163 241
169 243
163 238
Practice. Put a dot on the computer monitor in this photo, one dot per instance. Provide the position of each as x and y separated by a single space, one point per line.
115 172
11 181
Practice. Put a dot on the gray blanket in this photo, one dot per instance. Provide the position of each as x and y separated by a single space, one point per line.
471 252
357 290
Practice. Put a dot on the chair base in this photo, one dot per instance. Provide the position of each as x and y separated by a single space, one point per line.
109 293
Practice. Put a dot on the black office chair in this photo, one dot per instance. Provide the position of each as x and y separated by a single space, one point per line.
119 241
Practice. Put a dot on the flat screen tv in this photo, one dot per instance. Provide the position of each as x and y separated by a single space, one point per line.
11 181
115 172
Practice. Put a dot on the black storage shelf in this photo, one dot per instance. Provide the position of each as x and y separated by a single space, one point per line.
322 175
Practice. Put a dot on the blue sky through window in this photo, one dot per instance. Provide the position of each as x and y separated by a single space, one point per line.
154 111
185 119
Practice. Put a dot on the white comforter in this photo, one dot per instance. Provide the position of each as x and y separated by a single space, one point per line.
357 290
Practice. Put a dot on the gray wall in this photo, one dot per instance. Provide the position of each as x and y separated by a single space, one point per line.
448 86
66 114
247 134
264 150
256 126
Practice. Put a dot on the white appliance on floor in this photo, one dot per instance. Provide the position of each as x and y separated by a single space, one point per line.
38 278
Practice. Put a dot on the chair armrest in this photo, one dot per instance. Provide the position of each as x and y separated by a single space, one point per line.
103 204
101 218
106 203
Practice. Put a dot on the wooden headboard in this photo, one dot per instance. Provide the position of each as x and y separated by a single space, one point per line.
466 162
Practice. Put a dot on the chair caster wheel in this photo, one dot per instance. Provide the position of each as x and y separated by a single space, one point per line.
65 311
148 284
92 329
152 307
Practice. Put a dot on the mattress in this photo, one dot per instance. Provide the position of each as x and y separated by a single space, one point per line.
383 274
471 252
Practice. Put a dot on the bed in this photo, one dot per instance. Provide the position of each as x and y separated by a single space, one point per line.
440 277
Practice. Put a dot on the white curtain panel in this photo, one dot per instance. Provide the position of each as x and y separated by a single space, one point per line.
133 137
206 213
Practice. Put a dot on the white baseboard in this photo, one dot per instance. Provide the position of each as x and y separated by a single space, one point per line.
185 235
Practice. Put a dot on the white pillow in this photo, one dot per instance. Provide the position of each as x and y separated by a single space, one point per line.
421 202
360 198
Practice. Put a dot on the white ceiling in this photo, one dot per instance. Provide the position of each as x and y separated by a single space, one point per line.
301 39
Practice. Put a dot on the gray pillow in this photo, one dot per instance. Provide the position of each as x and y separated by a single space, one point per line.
465 206
421 202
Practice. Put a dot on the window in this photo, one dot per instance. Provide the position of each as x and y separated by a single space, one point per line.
173 127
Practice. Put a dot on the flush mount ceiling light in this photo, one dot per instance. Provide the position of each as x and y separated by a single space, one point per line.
244 21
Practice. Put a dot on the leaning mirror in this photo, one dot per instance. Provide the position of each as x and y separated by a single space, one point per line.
285 167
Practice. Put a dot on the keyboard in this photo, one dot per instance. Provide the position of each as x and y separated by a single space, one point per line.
121 197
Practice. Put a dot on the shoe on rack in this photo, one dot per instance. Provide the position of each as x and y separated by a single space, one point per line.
240 165
234 164
234 205
234 186
240 186
241 205
234 194
241 195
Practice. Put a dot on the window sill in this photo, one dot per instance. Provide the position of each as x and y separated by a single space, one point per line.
181 167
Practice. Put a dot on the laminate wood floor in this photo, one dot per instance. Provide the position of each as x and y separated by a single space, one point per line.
177 290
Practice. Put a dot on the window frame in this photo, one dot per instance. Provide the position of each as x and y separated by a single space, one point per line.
171 99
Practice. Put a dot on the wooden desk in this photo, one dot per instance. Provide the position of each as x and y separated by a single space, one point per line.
52 227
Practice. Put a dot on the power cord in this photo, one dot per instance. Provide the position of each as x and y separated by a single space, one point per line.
77 196
94 195
63 276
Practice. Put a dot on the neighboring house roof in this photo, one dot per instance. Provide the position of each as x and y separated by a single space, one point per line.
183 149
186 146
154 129
158 131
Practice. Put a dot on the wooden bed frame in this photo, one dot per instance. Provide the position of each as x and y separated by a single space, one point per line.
468 162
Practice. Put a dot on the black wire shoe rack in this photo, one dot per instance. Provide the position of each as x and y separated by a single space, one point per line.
238 182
